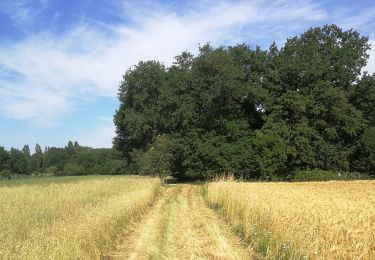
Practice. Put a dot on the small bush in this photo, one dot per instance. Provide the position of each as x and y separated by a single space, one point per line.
4 174
321 175
36 173
113 167
157 159
52 170
74 169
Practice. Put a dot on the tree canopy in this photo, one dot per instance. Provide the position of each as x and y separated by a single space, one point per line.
72 159
250 112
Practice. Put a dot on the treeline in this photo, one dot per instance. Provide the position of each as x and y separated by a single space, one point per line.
73 159
250 112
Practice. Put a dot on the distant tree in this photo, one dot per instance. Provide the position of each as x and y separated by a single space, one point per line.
74 159
27 154
26 151
71 147
17 162
4 158
37 158
57 157
4 162
87 158
44 157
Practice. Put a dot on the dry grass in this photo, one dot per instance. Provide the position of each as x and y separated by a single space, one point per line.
330 220
70 220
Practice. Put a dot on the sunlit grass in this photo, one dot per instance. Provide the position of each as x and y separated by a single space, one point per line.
70 220
330 220
45 180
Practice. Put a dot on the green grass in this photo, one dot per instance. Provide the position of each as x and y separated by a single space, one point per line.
49 180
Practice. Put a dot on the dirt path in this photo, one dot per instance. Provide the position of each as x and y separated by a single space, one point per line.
181 226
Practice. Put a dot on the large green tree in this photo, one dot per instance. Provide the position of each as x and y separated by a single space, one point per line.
137 117
251 112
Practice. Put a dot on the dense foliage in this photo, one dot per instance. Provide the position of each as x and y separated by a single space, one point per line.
251 112
73 159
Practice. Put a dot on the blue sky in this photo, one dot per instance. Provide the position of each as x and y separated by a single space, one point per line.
61 61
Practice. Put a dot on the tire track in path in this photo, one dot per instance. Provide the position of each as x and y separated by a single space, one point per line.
181 226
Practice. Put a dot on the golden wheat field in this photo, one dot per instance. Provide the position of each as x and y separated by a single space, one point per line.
318 220
72 220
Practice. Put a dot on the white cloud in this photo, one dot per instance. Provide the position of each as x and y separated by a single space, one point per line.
56 71
371 62
99 137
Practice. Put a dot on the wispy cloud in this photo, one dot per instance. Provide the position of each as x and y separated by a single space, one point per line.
371 62
98 137
363 19
41 105
106 119
23 12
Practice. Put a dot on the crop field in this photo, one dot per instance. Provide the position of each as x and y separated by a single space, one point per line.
318 220
69 218
130 217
